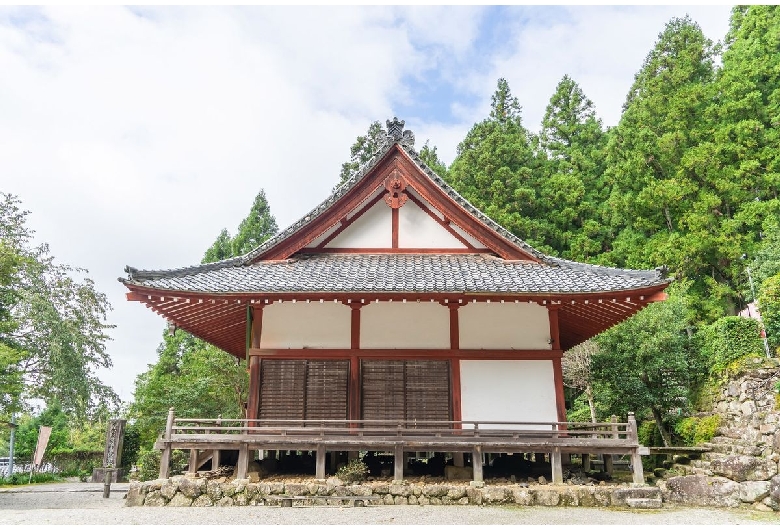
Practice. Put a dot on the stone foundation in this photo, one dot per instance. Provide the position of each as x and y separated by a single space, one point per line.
191 491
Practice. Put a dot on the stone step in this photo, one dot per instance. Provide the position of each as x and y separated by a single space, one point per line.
728 440
644 504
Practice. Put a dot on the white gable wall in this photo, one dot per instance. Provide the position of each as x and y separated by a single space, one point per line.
474 243
520 326
374 229
416 229
508 391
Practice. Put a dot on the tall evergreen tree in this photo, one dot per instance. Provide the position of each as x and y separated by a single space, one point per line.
362 150
663 210
742 159
572 190
258 226
432 160
222 248
494 168
194 377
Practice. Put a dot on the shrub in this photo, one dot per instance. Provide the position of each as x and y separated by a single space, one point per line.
354 471
131 445
729 340
74 462
24 478
648 434
694 431
148 464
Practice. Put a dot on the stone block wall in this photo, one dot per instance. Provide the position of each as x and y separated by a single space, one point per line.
742 465
191 491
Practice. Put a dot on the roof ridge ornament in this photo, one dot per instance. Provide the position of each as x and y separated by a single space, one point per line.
396 133
395 184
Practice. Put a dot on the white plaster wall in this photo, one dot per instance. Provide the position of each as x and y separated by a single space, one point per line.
404 325
520 326
373 229
416 229
508 391
323 236
302 325
474 242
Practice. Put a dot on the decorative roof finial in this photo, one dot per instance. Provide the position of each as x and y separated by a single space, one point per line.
396 133
395 129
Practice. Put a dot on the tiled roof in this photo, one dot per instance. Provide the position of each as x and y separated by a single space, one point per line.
471 273
405 140
407 273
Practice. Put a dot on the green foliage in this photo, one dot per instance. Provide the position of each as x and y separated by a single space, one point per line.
729 339
353 471
431 158
495 169
694 430
198 379
195 378
52 325
76 463
769 305
74 448
256 227
131 446
29 426
18 479
649 434
572 190
666 204
648 363
362 151
148 464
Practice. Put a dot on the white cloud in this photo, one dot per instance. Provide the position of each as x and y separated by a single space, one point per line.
135 136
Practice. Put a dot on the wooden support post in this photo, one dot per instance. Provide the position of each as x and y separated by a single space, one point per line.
320 467
352 455
636 463
332 462
193 461
215 459
632 434
566 459
539 458
557 467
476 459
586 462
243 461
609 467
165 458
457 459
398 463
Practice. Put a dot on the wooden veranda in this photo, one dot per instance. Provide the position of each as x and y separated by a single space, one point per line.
399 437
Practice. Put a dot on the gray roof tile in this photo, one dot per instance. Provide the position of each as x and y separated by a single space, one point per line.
407 273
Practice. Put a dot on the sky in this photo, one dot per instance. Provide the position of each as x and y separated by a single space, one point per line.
133 136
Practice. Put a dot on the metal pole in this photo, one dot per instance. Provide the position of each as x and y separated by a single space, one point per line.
753 294
11 448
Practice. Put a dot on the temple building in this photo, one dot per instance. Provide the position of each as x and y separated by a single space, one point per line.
396 299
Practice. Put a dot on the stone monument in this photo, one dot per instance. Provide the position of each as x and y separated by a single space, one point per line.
112 456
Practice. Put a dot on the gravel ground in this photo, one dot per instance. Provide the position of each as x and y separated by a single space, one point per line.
72 504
